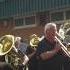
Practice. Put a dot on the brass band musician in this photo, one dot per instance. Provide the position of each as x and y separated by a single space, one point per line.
13 55
50 50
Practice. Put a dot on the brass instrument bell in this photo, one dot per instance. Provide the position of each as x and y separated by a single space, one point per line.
6 44
34 40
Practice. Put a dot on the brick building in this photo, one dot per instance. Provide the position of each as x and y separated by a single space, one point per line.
26 17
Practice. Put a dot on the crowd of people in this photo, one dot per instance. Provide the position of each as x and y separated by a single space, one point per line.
50 53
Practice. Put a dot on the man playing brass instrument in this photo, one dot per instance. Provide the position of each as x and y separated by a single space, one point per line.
50 49
33 44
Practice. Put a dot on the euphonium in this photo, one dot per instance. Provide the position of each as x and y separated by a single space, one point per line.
6 44
7 48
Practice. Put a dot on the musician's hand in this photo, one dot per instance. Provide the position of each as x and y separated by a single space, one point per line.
57 47
43 56
49 54
46 55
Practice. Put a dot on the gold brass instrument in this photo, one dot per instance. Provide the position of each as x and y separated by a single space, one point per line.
7 48
6 44
34 41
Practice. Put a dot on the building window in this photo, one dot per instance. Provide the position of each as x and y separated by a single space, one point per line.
19 22
43 18
57 16
30 20
25 22
68 14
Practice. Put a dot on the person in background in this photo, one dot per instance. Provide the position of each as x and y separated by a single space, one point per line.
17 56
31 50
22 47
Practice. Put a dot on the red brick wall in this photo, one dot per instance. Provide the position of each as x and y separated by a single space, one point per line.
24 32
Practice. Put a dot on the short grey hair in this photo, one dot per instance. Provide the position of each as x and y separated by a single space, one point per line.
49 25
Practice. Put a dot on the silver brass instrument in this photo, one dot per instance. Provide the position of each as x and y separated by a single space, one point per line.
64 48
7 48
64 33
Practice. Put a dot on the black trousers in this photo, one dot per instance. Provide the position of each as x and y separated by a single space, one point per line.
33 64
55 63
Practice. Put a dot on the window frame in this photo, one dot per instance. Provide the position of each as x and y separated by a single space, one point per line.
24 25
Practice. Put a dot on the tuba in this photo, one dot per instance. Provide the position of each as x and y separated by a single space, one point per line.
7 48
